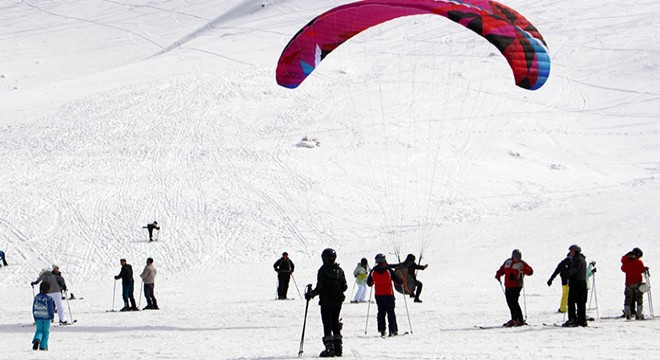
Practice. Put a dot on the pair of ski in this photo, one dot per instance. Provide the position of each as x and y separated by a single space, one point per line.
393 336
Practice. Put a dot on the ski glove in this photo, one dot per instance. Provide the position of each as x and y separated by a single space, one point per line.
310 294
549 282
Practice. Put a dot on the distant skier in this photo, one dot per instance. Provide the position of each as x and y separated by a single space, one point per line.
577 288
149 277
361 273
150 228
127 285
632 265
43 312
4 259
330 286
57 285
562 270
284 268
514 270
411 268
381 277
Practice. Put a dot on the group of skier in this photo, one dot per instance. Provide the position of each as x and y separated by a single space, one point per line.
575 274
52 286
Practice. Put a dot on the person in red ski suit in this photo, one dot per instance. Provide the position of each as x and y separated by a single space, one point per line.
632 265
514 270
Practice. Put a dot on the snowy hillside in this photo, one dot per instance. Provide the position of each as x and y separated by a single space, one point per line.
117 113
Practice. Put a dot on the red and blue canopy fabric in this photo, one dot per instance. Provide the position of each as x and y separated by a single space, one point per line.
514 36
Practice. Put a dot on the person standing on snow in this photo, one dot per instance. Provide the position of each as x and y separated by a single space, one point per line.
149 277
127 285
632 265
43 312
284 268
411 268
150 228
381 277
57 285
562 271
577 288
360 273
330 287
514 271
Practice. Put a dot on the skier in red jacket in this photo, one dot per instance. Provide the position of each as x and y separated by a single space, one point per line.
632 265
381 277
514 270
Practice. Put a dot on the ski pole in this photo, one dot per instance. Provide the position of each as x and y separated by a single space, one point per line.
296 284
114 288
525 303
68 304
405 302
308 288
32 290
371 289
140 298
595 295
647 276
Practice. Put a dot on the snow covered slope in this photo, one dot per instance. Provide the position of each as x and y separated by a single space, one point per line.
117 113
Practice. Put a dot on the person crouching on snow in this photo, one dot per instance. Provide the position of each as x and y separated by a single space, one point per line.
43 311
514 270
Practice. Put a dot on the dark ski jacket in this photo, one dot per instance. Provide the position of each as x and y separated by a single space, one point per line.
125 274
284 266
577 272
331 285
411 266
151 227
43 307
55 279
562 270
381 277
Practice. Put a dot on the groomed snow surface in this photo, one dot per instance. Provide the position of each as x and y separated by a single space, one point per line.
117 113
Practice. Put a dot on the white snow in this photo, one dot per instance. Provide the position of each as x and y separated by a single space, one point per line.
117 113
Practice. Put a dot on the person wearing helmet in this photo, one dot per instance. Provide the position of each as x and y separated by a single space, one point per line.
381 278
577 288
632 265
284 268
150 228
330 287
360 273
514 270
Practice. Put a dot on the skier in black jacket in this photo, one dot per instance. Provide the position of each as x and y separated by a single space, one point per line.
150 228
563 271
577 288
127 285
284 268
330 287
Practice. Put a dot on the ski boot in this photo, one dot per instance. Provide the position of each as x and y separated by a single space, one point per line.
329 347
640 314
35 344
126 307
338 345
626 312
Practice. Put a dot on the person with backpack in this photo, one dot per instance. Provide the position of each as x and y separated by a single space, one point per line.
360 273
150 228
127 285
577 288
148 277
284 268
330 287
43 312
57 285
514 270
562 271
633 267
381 278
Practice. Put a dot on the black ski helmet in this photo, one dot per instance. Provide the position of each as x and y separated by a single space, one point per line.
575 248
328 256
380 258
516 254
637 252
410 258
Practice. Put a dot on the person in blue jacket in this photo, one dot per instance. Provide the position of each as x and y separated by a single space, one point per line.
43 311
